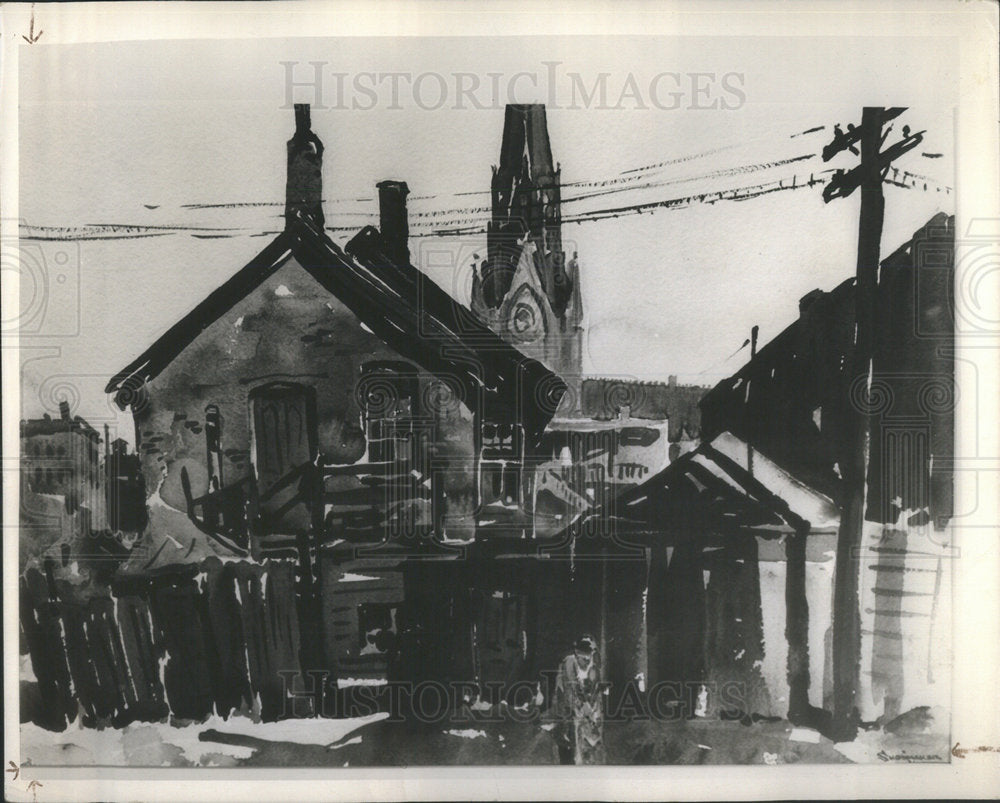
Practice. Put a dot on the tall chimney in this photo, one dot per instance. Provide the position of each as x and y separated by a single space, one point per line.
393 221
64 410
304 188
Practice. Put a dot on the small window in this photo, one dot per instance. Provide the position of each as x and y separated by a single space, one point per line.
388 393
501 441
376 628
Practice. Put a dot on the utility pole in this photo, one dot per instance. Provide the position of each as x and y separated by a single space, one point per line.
853 458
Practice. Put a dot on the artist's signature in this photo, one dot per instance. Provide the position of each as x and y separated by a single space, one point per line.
960 752
911 758
957 751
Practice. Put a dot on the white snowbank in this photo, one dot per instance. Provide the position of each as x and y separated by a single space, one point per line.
160 744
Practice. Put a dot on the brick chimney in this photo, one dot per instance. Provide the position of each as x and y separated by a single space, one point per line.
393 221
304 188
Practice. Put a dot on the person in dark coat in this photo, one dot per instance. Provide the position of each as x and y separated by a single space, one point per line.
579 706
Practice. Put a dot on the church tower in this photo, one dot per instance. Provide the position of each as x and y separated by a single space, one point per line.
526 290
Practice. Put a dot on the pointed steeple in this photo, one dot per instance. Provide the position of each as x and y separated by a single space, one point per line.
525 290
526 203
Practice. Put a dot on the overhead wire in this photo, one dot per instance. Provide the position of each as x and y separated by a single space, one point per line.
469 219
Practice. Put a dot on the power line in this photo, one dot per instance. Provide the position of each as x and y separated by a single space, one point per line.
623 176
469 219
470 224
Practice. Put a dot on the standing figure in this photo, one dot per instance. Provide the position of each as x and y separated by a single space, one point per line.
579 706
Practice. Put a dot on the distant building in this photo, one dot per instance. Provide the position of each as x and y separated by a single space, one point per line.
62 457
607 398
62 487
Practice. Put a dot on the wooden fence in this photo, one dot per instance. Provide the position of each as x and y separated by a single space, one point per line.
213 639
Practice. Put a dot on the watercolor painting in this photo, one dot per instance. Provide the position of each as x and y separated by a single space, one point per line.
479 406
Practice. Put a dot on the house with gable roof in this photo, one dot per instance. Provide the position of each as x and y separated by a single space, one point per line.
323 409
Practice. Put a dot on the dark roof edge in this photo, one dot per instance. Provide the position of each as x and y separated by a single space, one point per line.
402 306
154 359
462 348
773 346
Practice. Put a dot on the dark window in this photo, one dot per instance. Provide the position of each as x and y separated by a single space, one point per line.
376 628
501 462
284 420
501 441
389 392
285 442
638 436
213 440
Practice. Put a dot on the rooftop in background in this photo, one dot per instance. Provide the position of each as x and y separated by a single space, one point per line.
47 425
606 398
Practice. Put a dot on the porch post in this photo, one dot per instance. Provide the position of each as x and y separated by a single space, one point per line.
797 626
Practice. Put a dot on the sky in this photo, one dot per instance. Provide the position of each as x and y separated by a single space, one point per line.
137 133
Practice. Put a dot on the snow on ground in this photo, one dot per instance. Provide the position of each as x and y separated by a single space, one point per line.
159 744
469 733
921 735
474 739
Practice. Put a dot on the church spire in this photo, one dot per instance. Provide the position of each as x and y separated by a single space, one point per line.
526 203
526 289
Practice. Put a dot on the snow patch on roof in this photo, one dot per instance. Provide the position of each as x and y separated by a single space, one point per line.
808 503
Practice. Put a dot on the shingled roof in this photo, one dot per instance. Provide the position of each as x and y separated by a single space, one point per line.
401 306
